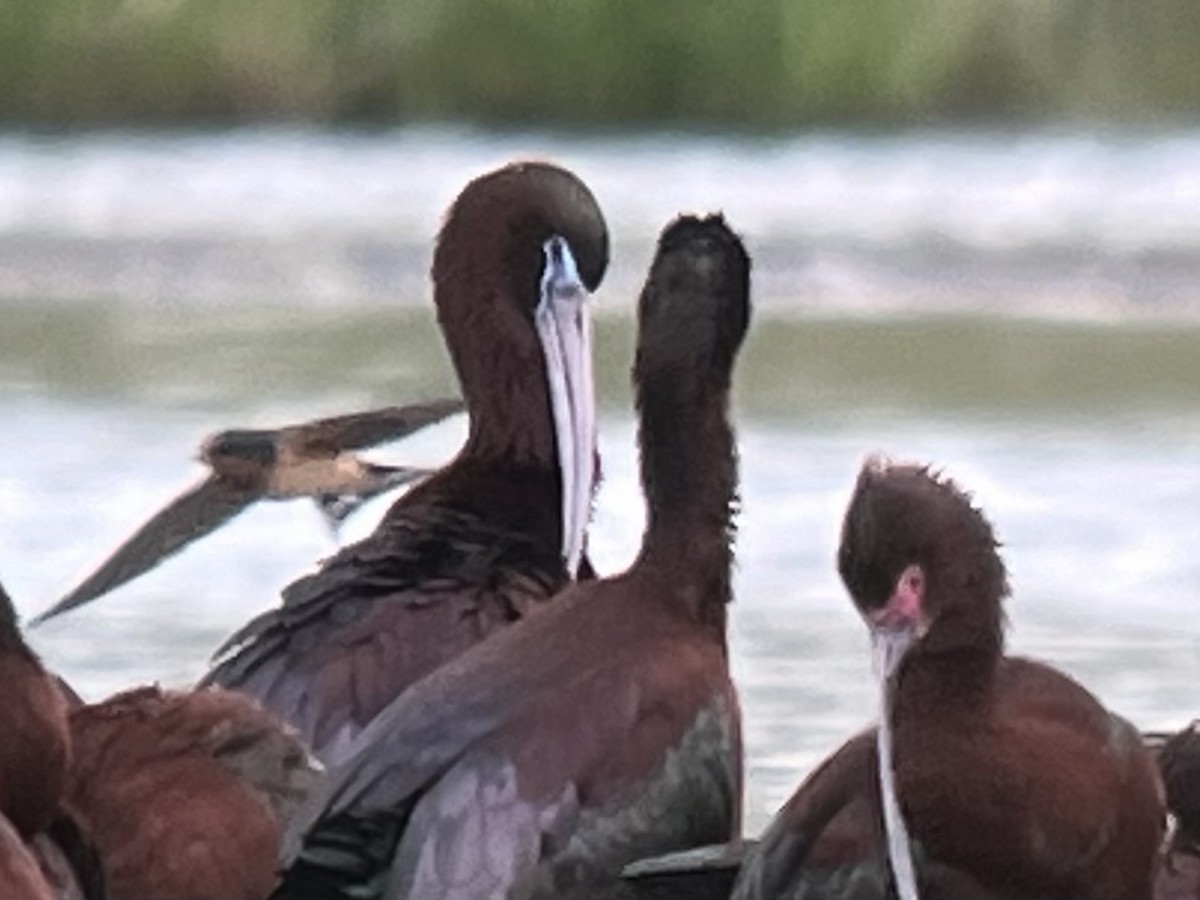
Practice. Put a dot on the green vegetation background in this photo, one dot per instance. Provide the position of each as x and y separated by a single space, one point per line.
754 64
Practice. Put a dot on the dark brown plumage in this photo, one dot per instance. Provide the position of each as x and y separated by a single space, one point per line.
20 876
1013 780
149 795
1179 763
485 540
186 793
34 743
314 459
35 753
605 728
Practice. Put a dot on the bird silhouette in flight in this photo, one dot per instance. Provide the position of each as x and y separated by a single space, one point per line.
314 459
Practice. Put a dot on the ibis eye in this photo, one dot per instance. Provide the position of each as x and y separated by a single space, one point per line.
914 579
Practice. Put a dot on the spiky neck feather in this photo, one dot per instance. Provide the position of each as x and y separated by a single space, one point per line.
692 318
689 474
904 514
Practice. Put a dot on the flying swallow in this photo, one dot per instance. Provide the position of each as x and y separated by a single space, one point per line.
314 459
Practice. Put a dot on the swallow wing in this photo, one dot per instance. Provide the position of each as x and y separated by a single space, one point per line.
366 429
192 515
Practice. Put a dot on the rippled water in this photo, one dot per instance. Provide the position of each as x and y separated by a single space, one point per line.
1070 224
1021 309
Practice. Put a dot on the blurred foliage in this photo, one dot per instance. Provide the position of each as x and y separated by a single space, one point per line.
752 63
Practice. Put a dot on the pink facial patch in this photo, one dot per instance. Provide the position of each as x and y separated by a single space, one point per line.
904 608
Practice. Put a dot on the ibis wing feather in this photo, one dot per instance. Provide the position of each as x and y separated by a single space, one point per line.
381 614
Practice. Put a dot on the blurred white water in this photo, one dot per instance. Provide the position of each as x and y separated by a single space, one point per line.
1045 223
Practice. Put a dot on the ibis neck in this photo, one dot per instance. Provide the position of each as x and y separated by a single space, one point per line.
689 473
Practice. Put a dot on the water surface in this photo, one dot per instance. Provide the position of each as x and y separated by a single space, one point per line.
1049 223
1021 309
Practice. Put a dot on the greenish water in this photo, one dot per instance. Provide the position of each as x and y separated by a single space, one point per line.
942 365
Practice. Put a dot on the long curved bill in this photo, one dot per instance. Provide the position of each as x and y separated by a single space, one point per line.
565 330
889 643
